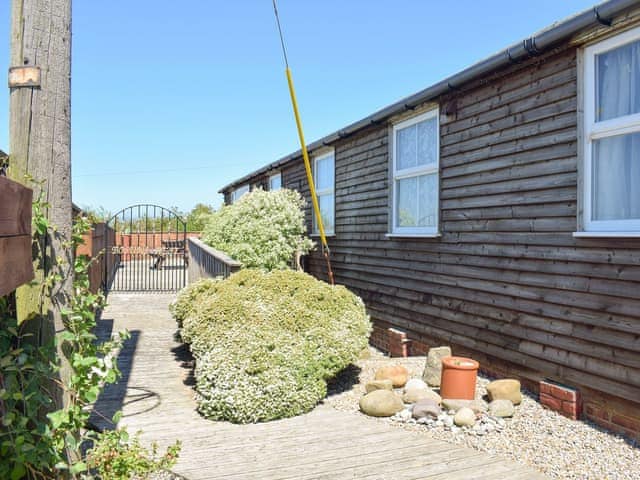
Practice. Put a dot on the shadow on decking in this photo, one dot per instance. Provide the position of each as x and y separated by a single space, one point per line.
182 355
118 395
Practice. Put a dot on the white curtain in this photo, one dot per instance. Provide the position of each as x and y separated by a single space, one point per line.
616 160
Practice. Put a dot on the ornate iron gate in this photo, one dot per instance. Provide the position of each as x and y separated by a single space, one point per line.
148 252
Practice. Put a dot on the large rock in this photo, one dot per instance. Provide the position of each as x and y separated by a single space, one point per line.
415 394
426 408
381 403
464 417
374 385
506 389
501 408
478 406
396 373
433 366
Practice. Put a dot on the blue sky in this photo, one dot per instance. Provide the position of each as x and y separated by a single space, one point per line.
171 99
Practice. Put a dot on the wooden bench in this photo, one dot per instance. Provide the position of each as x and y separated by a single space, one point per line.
168 247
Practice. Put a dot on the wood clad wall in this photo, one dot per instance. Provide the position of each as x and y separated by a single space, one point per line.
506 279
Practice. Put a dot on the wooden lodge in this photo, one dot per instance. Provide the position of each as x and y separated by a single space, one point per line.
498 212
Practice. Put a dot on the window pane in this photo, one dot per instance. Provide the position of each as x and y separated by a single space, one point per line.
275 182
406 149
327 211
407 202
427 200
427 142
324 173
618 82
616 178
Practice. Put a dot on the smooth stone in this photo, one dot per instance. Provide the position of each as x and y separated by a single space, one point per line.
502 408
505 389
433 365
381 403
404 415
415 383
396 373
426 408
448 421
413 395
374 385
478 406
465 417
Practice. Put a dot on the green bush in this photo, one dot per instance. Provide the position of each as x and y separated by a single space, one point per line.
185 303
262 229
265 343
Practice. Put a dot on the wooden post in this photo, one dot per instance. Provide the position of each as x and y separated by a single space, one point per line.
40 139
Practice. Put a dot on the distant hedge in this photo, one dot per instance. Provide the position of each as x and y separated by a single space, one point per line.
261 229
265 343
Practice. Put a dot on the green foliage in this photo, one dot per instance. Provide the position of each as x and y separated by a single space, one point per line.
97 214
115 456
187 301
198 217
265 343
262 229
34 443
25 372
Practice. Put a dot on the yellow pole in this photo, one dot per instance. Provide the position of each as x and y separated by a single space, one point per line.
305 154
307 167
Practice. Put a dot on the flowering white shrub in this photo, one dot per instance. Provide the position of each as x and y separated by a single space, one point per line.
183 306
265 343
261 229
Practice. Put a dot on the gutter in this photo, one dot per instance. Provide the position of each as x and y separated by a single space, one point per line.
533 46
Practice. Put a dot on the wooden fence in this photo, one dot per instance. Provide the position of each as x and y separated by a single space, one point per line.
206 262
16 267
95 243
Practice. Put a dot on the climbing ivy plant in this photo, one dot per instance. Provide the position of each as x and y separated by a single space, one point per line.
37 444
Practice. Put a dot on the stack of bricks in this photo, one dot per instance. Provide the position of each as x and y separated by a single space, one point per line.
564 400
397 343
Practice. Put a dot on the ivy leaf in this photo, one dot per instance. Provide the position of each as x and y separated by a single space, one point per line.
116 417
92 394
57 418
18 471
78 467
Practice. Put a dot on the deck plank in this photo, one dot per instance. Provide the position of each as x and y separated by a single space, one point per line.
156 396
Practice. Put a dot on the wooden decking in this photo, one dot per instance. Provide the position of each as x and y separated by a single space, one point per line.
156 396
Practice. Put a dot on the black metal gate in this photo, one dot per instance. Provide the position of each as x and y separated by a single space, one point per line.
148 251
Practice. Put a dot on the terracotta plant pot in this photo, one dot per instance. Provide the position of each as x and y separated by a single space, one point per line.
458 379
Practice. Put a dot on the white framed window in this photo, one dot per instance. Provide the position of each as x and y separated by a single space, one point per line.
275 181
238 192
416 180
324 180
611 175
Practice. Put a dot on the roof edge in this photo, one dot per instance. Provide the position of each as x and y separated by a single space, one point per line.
534 45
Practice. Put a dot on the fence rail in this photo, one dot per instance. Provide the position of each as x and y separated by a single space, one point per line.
207 262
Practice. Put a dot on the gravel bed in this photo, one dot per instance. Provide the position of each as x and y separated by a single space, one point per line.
557 446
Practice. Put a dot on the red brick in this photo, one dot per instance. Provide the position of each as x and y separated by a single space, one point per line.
572 410
565 394
628 423
397 342
545 387
551 402
595 412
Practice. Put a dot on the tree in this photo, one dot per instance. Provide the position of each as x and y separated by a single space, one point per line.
198 216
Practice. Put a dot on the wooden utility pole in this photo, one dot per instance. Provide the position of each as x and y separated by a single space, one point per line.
40 139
